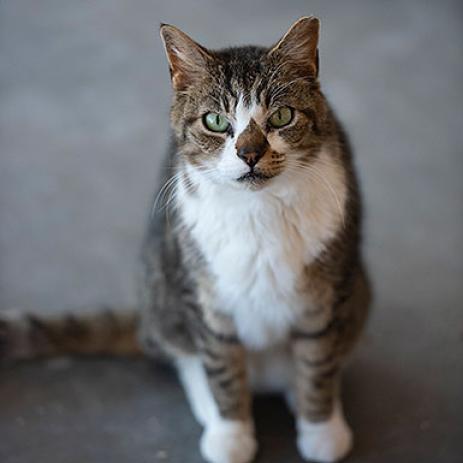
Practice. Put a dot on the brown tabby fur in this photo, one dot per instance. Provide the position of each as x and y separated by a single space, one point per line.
177 288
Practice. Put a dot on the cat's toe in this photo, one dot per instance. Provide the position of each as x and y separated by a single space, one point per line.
232 442
326 442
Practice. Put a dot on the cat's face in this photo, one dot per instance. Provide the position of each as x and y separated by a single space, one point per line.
244 116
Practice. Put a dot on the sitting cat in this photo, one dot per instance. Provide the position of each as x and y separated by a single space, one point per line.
253 277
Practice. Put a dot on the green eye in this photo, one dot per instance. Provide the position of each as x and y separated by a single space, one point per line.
281 117
216 122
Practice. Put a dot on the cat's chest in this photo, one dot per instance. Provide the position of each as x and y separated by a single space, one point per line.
258 270
257 253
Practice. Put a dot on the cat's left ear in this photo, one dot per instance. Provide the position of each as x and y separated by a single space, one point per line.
187 59
299 46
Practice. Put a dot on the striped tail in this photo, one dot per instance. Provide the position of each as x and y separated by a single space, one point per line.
103 331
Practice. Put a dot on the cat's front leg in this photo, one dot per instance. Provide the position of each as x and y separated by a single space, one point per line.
323 434
216 385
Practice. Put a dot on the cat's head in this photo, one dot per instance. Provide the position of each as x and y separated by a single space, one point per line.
243 116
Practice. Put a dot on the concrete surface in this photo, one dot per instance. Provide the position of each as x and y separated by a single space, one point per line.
83 123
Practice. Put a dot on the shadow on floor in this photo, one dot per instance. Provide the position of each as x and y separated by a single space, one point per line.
111 410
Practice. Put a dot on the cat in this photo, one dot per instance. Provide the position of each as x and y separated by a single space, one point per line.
252 275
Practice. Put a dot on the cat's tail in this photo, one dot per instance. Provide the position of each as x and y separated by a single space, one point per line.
25 335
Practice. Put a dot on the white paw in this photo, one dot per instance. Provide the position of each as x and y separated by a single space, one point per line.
326 442
228 442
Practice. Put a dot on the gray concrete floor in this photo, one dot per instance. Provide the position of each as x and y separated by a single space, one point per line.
83 124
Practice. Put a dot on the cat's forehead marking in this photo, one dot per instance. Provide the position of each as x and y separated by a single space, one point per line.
244 112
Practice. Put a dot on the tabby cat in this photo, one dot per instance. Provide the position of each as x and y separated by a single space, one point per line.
252 276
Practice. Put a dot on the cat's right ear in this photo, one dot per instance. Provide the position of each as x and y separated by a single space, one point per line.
298 48
187 59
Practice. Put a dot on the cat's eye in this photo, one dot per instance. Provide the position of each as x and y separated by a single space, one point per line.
216 122
281 117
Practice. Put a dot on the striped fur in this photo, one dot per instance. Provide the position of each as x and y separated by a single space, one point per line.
25 335
252 269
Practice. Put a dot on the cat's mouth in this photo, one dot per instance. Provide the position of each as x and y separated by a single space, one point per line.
254 177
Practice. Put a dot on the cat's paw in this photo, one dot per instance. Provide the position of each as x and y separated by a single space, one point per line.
229 442
326 442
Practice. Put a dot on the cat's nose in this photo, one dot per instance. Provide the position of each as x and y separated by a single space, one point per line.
250 155
251 144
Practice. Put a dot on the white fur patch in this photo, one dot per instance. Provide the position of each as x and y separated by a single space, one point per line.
194 381
271 370
326 442
243 115
229 442
257 243
223 441
230 166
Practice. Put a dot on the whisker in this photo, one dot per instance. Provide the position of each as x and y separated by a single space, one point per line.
281 88
162 192
311 170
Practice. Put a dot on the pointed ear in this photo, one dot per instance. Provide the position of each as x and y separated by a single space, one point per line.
187 59
298 47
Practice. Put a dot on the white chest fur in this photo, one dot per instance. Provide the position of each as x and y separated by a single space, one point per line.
258 243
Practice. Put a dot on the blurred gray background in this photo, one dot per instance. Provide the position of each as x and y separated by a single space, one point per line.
83 125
